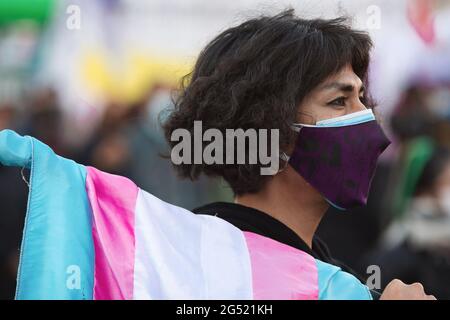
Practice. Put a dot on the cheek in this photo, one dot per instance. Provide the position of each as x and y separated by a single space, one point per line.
329 112
306 117
312 113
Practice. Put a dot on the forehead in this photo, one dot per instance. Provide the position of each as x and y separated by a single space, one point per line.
346 76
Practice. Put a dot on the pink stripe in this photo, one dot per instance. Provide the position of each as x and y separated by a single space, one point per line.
113 200
281 272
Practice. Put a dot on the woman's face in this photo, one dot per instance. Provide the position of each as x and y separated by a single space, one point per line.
338 95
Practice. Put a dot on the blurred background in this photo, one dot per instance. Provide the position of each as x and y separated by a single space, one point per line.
91 77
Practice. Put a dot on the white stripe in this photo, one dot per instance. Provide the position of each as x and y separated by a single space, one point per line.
180 255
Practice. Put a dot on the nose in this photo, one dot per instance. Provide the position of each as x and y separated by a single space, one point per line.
357 105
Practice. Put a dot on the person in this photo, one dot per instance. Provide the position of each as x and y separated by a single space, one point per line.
417 244
305 78
273 72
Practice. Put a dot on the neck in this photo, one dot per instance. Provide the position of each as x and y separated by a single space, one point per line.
288 198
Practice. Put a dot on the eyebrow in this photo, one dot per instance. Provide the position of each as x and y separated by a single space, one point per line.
346 87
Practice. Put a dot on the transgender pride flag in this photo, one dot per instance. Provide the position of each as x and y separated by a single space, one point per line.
93 235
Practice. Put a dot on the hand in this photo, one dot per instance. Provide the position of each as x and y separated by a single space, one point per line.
397 290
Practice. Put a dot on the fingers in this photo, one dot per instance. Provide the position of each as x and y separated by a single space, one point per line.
418 286
398 290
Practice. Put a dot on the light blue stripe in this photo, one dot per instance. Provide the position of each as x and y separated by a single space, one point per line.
335 284
57 240
351 121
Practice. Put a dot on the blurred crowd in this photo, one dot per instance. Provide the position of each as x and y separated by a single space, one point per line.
405 229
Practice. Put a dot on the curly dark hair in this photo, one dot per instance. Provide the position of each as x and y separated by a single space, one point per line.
255 75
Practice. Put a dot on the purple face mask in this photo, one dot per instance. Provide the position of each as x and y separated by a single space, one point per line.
338 157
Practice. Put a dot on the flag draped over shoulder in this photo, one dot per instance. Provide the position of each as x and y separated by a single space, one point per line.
92 235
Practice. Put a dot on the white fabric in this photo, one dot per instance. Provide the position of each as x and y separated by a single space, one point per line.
180 255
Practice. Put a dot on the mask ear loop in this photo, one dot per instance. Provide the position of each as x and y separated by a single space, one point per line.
285 158
311 123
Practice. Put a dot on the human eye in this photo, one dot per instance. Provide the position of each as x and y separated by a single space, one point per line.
338 102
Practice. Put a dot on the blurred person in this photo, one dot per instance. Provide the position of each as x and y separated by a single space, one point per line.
423 110
149 149
45 119
108 149
7 113
289 206
306 78
130 140
421 113
414 115
13 197
417 245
